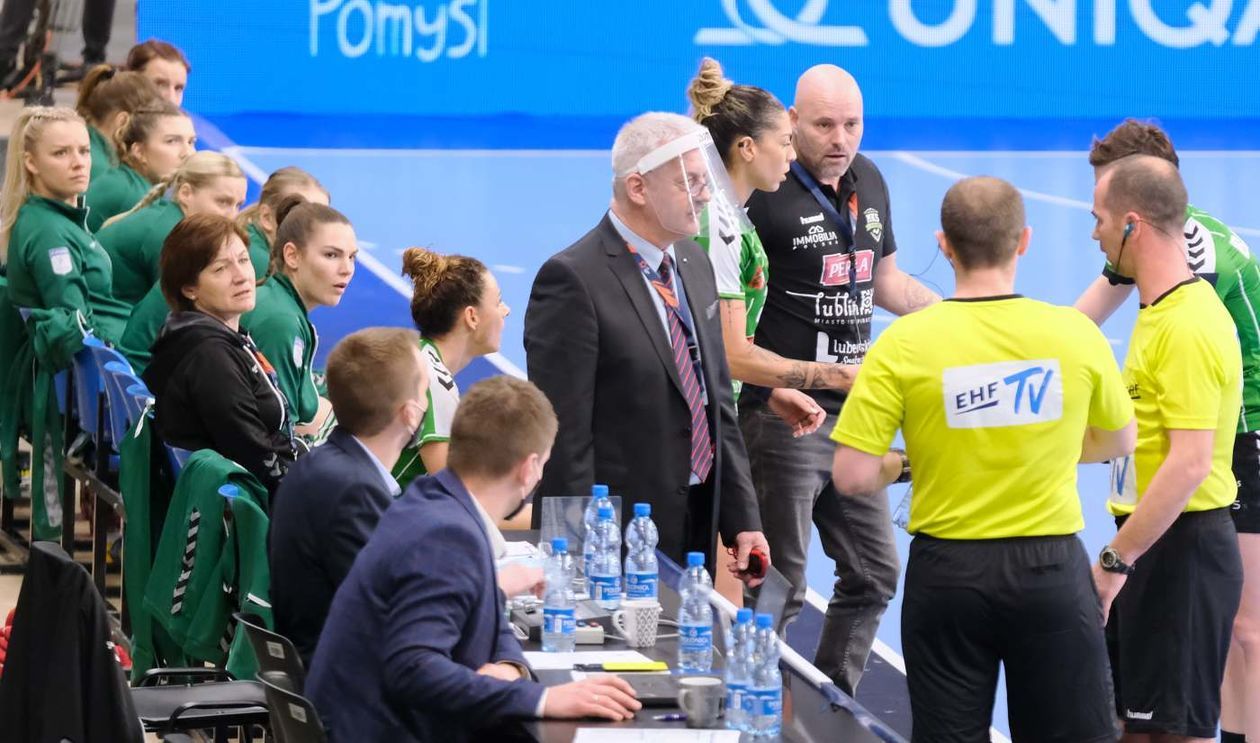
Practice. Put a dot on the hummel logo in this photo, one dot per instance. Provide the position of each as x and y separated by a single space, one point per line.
811 220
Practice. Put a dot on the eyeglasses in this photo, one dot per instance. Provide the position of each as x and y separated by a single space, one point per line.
695 185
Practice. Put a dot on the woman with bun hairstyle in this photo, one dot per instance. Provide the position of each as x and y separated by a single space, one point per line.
164 64
458 308
207 183
152 142
754 135
106 96
259 219
51 260
214 389
312 262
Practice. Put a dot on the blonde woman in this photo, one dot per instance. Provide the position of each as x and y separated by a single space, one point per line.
51 259
152 143
207 183
106 98
259 219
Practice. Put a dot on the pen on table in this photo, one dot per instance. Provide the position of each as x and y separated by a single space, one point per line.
672 717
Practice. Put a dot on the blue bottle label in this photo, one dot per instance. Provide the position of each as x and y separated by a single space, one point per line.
768 702
695 638
559 620
605 587
640 585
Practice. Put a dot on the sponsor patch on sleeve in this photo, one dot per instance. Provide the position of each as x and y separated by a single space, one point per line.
61 262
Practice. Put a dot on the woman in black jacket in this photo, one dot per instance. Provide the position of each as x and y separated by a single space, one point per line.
214 388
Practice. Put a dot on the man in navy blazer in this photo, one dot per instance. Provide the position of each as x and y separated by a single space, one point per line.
329 503
416 647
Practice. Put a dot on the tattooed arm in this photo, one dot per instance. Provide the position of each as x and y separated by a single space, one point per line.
756 365
899 292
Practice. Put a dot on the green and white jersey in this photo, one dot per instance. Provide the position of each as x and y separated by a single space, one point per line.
1214 252
443 398
741 271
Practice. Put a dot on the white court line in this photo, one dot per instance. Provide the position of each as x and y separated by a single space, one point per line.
395 153
890 656
391 278
915 160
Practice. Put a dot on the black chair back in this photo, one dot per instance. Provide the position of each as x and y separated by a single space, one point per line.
277 658
293 717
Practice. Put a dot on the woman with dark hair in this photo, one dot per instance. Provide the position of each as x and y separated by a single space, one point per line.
213 388
312 262
458 308
164 64
106 99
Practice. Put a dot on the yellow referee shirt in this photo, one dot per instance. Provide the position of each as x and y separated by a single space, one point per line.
1183 371
993 397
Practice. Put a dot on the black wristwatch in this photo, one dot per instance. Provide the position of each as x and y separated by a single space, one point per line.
1110 561
905 467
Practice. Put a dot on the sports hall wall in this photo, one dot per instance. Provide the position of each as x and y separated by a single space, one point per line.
575 59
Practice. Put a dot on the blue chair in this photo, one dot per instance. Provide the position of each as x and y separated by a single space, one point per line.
118 378
179 458
87 393
60 379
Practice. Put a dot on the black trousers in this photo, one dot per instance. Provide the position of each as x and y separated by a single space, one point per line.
98 21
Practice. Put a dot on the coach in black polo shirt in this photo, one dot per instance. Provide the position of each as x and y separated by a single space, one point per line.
828 234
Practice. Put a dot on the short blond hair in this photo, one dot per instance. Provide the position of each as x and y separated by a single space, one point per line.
370 374
499 423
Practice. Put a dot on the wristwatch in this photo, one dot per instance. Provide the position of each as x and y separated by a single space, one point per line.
905 467
1110 561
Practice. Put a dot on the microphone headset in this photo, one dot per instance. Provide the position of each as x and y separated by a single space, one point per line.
1124 238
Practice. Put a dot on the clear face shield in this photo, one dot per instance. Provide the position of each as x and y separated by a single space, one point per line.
689 190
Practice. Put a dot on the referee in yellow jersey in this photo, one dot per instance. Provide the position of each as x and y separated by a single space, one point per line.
1172 575
998 397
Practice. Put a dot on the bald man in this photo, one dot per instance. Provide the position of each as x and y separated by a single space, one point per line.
828 235
997 575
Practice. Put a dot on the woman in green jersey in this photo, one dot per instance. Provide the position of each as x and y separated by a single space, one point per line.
106 98
207 183
151 143
753 133
259 219
458 308
312 262
51 260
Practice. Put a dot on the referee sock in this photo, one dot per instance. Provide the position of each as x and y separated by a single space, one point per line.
1227 737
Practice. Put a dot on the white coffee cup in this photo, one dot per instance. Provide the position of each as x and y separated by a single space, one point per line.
637 620
702 699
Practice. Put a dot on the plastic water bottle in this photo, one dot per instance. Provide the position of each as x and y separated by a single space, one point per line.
641 566
695 618
604 577
739 668
901 517
558 630
599 497
766 718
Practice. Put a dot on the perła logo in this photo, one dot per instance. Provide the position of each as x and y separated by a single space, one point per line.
1204 22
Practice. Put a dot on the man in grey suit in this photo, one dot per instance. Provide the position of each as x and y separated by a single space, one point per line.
623 335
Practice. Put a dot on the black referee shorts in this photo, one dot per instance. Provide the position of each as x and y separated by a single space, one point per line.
1246 510
1028 603
1169 629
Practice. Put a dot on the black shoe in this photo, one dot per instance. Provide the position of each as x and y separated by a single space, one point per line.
8 74
73 73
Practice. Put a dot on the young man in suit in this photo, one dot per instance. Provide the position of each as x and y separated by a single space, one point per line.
328 504
623 335
417 647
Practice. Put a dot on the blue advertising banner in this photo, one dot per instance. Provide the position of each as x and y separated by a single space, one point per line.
557 58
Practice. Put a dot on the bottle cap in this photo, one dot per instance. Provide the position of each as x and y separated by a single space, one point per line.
559 544
642 509
743 615
605 512
695 559
599 491
765 621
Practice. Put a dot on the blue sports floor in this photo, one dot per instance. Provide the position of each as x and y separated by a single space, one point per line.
512 208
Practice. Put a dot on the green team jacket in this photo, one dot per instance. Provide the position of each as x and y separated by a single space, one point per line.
211 560
147 319
135 246
282 330
116 191
102 154
55 262
259 251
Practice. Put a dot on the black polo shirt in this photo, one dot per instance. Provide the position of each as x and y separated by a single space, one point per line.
819 305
